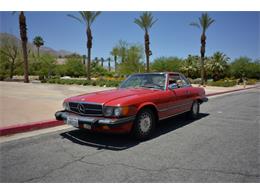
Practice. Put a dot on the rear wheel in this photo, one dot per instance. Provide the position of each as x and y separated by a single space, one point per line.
144 124
195 110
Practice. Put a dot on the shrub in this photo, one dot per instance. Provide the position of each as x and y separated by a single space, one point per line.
251 81
223 83
195 81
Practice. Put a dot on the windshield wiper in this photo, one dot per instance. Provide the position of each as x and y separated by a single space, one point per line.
150 87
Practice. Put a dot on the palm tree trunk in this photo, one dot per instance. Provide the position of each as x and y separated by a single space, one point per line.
23 34
109 67
88 64
89 46
115 59
147 50
102 62
202 55
147 63
38 51
12 69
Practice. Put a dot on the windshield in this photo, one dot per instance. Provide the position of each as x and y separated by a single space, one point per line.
153 81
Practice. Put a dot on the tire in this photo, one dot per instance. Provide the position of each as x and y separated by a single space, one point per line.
144 124
194 111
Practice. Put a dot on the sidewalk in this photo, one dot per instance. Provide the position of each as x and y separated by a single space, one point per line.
25 103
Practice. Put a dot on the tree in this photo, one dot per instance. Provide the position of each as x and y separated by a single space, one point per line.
122 50
24 39
190 66
218 63
245 67
204 23
133 60
115 53
10 51
163 64
87 17
38 42
145 22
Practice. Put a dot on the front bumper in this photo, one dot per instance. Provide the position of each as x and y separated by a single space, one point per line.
97 123
204 99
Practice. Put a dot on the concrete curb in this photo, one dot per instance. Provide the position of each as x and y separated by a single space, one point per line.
223 92
20 128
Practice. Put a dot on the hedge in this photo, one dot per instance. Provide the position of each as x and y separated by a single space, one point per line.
100 82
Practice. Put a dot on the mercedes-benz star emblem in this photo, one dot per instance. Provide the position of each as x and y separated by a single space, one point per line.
81 108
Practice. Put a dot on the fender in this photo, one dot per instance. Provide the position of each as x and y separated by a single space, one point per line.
147 104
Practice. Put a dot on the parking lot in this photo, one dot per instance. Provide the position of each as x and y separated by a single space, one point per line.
221 146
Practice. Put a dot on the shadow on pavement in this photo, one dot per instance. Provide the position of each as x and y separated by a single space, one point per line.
124 141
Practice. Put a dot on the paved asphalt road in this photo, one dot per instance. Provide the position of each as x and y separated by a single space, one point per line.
221 146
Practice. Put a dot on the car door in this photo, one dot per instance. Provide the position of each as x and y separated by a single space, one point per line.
188 88
180 100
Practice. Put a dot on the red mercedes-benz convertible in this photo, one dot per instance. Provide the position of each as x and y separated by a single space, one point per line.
135 106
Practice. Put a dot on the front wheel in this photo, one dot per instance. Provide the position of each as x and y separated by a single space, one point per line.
195 110
144 124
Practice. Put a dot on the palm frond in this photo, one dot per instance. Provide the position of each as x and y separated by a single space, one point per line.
95 14
74 17
139 23
83 16
153 22
211 21
145 21
195 24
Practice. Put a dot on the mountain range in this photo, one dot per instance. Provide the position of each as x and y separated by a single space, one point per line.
32 47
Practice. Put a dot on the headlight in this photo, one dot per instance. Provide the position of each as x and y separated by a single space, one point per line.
66 106
116 111
108 111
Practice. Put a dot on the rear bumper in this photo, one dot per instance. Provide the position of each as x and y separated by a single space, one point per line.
99 123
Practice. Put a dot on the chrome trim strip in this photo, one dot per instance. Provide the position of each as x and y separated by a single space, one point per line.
173 115
174 107
92 103
104 121
116 121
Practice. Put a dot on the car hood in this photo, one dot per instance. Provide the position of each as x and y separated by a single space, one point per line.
104 97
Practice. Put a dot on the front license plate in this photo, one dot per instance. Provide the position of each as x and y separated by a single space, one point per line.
73 121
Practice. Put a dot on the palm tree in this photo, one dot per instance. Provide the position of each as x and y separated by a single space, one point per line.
218 64
204 23
38 42
109 65
102 61
87 17
24 39
123 46
145 22
115 53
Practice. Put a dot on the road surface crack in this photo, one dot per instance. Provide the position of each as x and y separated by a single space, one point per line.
191 169
61 167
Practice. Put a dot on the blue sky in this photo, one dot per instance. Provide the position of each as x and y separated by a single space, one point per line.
234 33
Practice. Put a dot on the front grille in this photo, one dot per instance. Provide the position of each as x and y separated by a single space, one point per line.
86 108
